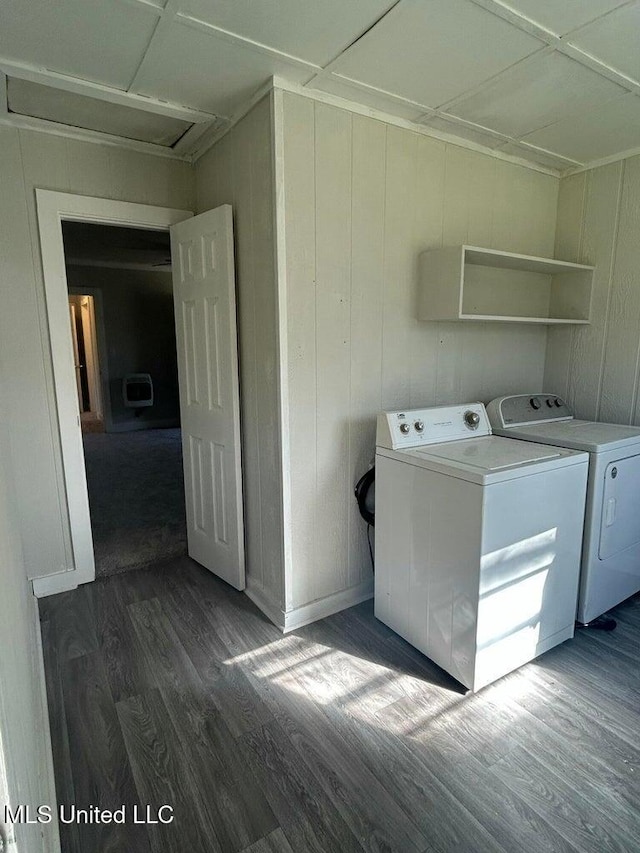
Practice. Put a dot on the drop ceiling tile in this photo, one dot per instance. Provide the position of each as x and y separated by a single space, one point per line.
430 52
342 88
536 155
33 99
609 130
562 16
615 40
93 39
312 30
195 68
536 92
464 131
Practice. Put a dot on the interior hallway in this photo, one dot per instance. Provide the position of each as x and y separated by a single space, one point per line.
166 686
136 498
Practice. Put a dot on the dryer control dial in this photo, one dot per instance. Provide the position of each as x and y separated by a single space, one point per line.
471 419
419 426
404 428
535 403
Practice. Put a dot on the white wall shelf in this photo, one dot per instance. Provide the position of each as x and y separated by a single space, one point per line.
471 283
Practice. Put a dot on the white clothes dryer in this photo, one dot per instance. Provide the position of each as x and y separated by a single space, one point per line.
611 548
477 540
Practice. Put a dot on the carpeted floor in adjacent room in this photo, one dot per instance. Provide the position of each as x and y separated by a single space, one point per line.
136 498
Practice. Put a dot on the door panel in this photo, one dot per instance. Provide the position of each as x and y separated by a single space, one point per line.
620 528
205 310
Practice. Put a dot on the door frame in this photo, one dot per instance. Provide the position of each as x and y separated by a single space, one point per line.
54 208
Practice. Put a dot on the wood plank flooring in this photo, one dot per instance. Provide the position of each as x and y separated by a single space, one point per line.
166 686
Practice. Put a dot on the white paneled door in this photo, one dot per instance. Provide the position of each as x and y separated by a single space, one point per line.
205 311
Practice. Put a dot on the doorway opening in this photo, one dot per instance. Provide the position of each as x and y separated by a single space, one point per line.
86 361
207 357
122 326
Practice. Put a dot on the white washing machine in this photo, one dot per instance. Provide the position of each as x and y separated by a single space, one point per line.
478 540
611 547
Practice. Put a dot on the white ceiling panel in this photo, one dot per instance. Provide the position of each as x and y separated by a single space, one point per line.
535 93
464 131
342 88
93 39
614 39
192 67
312 30
562 16
613 128
33 99
430 51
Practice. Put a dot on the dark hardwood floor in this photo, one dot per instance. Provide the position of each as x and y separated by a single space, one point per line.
166 686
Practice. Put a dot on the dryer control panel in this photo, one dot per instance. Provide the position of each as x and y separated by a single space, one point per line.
525 409
417 427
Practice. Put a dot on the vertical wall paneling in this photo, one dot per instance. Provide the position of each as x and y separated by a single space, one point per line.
29 415
367 263
600 217
266 319
622 347
333 344
398 297
568 243
26 770
300 205
362 200
597 367
33 160
427 234
278 236
238 170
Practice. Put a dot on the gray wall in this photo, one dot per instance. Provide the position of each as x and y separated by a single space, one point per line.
25 756
239 171
362 200
137 311
597 367
30 160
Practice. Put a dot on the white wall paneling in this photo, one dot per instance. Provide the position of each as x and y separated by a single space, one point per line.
33 160
238 170
26 769
362 199
597 367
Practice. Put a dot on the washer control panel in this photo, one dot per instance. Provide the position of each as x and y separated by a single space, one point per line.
417 427
525 409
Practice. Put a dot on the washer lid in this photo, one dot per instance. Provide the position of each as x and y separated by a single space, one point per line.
578 435
489 454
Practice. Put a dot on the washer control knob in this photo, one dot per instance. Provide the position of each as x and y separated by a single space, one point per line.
419 426
471 419
558 402
404 428
550 402
535 402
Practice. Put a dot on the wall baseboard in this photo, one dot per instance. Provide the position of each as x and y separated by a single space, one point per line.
262 601
323 607
53 584
298 617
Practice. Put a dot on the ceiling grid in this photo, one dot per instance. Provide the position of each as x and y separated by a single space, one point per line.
556 84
